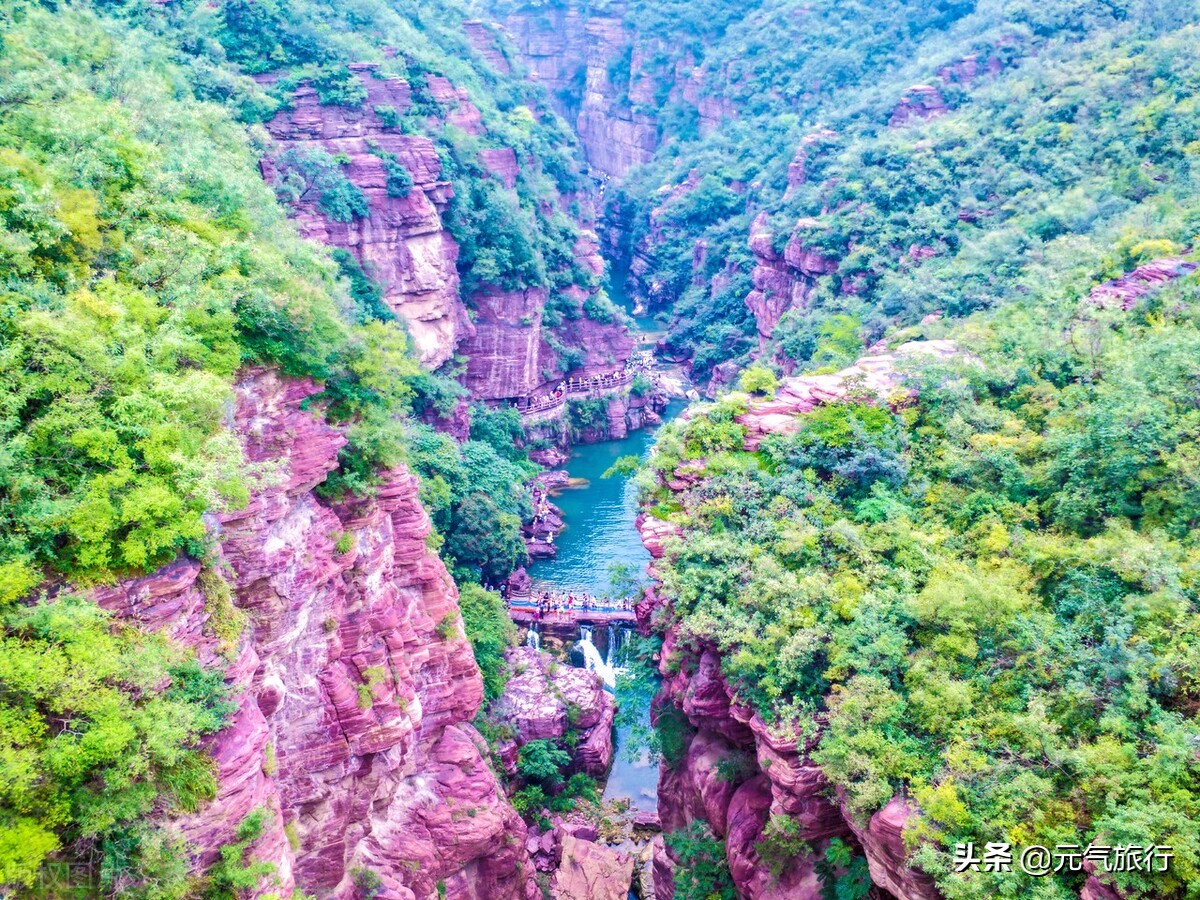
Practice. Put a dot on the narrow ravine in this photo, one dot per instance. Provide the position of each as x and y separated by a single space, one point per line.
601 554
601 541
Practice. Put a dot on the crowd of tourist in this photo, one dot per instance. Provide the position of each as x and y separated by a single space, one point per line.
546 603
639 362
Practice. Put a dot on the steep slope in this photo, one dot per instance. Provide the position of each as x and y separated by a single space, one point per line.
355 685
901 614
910 158
233 662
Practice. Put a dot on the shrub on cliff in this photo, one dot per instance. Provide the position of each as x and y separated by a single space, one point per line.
92 743
701 872
983 602
490 631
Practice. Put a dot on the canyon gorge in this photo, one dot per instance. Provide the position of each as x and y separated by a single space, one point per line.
598 449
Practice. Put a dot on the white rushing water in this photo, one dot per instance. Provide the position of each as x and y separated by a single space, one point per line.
593 660
532 638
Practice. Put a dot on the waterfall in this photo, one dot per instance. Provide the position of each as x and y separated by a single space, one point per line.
611 656
593 660
532 638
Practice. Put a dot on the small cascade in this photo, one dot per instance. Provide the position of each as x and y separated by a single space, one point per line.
532 638
592 659
611 657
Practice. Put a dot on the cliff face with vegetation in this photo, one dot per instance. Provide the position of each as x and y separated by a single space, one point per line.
405 176
864 560
884 594
234 660
927 576
355 685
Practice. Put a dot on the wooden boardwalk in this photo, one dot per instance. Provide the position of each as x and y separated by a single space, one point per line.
596 384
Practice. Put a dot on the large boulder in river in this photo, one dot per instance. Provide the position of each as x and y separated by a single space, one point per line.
590 871
545 699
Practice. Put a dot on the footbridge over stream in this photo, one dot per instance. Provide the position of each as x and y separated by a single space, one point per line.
568 609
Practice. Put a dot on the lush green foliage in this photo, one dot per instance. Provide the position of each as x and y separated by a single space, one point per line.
490 631
143 262
476 497
991 596
701 872
543 762
233 874
92 742
1087 130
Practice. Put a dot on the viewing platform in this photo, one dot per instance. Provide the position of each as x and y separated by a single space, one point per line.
526 611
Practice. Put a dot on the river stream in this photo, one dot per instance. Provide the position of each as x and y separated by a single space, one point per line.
600 551
600 515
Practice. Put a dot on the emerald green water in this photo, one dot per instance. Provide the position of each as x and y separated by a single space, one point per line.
599 514
601 540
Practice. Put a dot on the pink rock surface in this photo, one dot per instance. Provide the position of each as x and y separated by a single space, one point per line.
919 103
556 42
749 810
501 162
878 377
403 240
656 534
783 282
590 871
883 842
483 39
539 705
353 709
1124 292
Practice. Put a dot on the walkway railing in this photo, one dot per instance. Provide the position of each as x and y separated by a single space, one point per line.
559 610
556 398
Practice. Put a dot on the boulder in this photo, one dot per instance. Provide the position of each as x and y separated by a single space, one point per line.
589 871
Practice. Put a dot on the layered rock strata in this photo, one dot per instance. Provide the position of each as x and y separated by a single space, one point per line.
544 700
590 66
774 774
402 241
354 682
783 281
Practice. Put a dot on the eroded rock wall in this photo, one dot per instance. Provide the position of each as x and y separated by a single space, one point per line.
596 75
736 771
356 685
402 242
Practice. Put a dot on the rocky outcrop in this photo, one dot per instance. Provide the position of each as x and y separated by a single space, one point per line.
484 40
783 282
878 377
736 774
402 241
355 684
545 700
810 146
1126 291
883 841
589 871
919 103
579 59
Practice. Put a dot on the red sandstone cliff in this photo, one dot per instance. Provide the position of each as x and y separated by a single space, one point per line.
778 778
402 241
783 281
572 54
357 686
404 244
